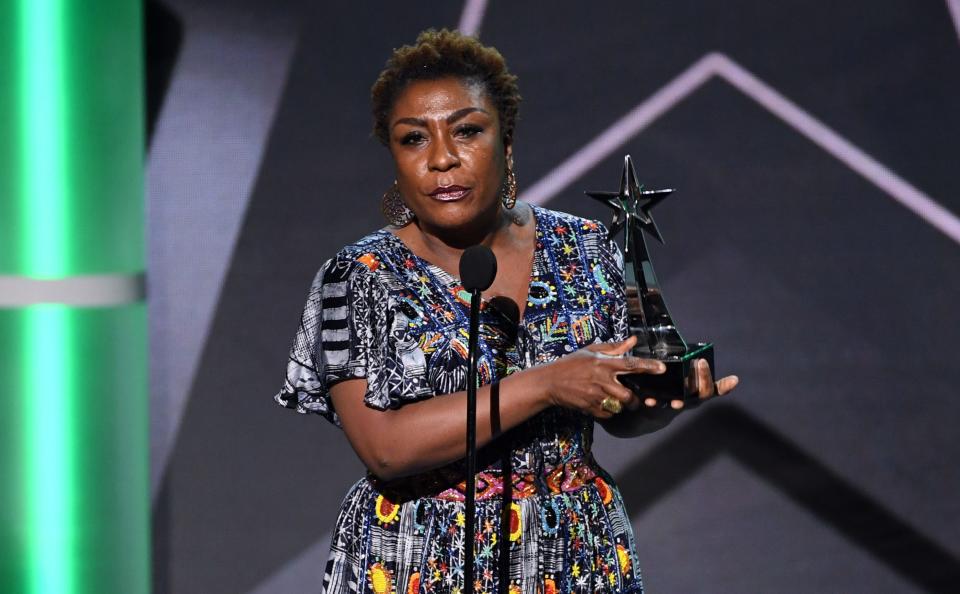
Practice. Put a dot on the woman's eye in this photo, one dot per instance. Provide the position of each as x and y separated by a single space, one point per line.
412 138
469 130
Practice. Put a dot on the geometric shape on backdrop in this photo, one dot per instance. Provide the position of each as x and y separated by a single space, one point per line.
727 429
206 152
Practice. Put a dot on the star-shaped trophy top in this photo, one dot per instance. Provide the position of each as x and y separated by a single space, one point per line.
628 212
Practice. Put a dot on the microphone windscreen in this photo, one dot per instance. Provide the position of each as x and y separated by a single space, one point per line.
511 312
508 307
478 268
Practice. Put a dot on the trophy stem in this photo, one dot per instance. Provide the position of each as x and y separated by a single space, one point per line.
646 308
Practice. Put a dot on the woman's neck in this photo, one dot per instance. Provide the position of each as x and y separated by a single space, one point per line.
443 247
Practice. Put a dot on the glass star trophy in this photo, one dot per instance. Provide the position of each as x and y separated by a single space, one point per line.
657 336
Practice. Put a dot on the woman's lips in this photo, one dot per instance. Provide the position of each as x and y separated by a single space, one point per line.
449 193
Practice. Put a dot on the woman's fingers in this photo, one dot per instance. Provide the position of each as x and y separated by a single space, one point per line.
725 385
617 354
614 388
706 387
651 402
639 365
616 391
703 383
704 379
625 346
614 348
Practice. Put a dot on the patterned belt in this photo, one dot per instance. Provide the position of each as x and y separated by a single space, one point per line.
560 479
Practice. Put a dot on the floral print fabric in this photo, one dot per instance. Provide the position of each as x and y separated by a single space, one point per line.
377 311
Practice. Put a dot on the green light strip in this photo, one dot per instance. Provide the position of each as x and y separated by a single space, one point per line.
43 138
48 414
75 514
45 205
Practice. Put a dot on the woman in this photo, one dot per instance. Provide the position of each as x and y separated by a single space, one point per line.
383 336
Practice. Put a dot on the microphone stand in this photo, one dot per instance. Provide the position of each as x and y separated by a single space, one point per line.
478 268
471 483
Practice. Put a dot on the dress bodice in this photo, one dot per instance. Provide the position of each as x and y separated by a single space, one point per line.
381 312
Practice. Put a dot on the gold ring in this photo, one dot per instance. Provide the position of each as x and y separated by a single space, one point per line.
611 405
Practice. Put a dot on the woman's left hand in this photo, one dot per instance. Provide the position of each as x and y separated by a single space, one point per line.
704 386
650 415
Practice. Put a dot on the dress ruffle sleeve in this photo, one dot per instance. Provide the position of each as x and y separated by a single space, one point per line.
346 333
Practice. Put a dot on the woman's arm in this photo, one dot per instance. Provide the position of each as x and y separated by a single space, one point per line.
430 433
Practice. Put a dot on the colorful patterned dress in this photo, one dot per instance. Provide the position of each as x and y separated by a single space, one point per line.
377 311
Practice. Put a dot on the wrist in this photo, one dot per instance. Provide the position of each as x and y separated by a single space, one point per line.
539 384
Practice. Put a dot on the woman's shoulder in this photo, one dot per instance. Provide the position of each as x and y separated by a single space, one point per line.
361 257
592 234
550 219
376 242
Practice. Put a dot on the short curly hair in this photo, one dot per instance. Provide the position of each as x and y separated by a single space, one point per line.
442 54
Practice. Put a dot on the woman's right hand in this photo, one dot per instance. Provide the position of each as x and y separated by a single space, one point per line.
582 380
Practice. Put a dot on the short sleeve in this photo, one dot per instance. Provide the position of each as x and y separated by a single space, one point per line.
344 334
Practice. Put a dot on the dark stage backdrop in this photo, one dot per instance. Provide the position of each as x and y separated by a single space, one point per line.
815 147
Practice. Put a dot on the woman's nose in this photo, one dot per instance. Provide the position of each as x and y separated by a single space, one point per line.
443 153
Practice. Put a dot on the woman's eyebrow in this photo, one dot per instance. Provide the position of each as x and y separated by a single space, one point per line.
453 117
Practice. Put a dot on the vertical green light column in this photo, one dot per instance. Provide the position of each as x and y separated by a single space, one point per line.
74 439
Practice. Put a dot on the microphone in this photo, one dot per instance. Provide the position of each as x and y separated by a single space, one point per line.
478 268
510 311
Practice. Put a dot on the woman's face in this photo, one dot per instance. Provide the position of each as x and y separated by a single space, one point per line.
446 143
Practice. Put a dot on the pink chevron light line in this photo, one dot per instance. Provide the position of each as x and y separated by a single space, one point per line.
472 17
717 64
954 6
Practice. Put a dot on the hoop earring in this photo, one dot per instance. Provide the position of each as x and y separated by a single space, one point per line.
509 195
393 208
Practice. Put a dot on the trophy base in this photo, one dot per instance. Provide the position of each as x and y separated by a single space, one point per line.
677 382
